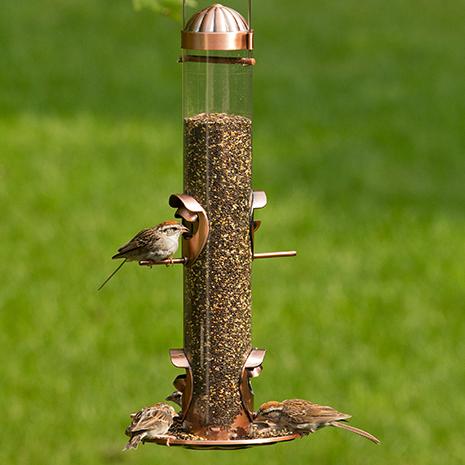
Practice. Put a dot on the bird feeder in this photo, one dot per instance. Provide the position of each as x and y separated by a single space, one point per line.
217 206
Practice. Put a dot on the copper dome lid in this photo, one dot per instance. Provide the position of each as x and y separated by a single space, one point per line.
217 28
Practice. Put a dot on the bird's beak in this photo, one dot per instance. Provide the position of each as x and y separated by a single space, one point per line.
185 229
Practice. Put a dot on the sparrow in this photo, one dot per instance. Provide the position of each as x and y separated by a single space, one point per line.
175 397
304 417
150 423
180 385
152 244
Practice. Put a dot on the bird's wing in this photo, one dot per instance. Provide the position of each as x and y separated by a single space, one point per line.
318 413
142 239
151 418
328 413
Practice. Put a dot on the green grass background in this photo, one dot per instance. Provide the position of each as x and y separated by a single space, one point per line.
360 144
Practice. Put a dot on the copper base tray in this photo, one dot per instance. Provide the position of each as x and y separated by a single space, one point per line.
231 444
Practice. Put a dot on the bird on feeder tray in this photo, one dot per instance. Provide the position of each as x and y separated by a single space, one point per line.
180 384
304 417
150 423
175 397
152 244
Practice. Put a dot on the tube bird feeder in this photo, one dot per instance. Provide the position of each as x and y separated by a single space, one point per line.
218 206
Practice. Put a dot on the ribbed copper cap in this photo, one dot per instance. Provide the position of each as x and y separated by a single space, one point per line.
217 28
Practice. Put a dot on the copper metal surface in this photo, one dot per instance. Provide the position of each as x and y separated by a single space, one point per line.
167 262
255 358
219 60
196 218
179 360
189 216
217 18
217 28
289 253
256 256
217 40
258 200
255 225
251 369
247 394
228 444
249 13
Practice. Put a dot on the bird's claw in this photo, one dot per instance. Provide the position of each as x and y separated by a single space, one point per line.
168 438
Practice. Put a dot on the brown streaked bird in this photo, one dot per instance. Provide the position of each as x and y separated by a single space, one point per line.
180 385
150 423
152 244
304 417
175 397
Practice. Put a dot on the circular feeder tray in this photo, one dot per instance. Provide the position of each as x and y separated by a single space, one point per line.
231 444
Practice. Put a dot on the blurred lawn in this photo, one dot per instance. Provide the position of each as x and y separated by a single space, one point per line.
360 145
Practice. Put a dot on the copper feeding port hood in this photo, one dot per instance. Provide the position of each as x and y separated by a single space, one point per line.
217 28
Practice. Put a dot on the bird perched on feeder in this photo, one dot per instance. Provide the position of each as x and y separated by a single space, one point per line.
180 385
175 397
152 244
150 423
304 417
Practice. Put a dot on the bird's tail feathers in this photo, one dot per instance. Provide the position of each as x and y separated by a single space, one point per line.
112 274
133 442
355 430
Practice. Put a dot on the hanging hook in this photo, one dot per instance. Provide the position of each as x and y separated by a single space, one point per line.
249 15
183 14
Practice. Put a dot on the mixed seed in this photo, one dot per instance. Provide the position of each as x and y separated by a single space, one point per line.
255 432
217 287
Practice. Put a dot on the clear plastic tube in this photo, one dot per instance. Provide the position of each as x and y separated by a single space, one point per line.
217 105
217 82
